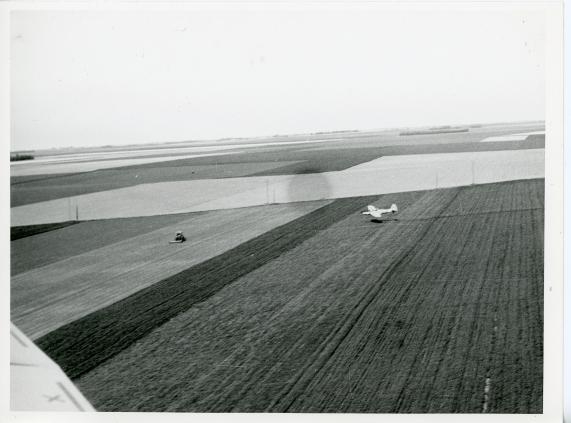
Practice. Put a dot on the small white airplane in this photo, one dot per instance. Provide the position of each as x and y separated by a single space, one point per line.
378 213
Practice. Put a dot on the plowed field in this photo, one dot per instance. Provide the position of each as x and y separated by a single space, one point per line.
438 311
69 287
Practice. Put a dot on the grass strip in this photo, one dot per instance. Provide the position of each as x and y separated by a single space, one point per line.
82 345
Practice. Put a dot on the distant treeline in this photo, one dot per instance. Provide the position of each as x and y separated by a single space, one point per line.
442 130
335 132
345 131
475 125
14 157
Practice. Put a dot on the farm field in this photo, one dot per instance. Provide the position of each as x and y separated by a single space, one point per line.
389 174
54 289
19 232
496 128
333 155
74 165
52 246
440 310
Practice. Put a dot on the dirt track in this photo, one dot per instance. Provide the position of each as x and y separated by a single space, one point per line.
440 311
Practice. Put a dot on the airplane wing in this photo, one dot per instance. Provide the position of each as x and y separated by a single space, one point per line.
36 382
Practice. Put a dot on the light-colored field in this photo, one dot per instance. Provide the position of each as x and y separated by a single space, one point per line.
513 137
442 160
58 166
50 296
385 175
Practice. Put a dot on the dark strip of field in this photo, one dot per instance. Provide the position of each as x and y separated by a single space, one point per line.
536 138
440 311
19 232
323 158
86 343
66 241
27 179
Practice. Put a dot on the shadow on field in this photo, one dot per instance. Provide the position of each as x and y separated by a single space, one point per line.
308 184
384 221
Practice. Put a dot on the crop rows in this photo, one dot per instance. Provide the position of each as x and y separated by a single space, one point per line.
48 297
444 324
87 342
440 311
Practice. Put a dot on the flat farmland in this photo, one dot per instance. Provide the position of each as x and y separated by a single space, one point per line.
334 155
49 247
57 286
440 310
390 174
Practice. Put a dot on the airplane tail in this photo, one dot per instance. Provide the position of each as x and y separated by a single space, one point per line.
394 208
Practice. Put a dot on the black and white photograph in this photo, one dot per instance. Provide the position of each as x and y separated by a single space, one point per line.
326 208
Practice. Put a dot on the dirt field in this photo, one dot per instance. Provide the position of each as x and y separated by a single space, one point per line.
438 311
50 247
71 286
294 307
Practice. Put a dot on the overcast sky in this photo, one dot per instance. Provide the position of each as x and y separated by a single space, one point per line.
99 78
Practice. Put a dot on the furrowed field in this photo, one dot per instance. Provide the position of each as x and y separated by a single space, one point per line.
440 310
72 278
